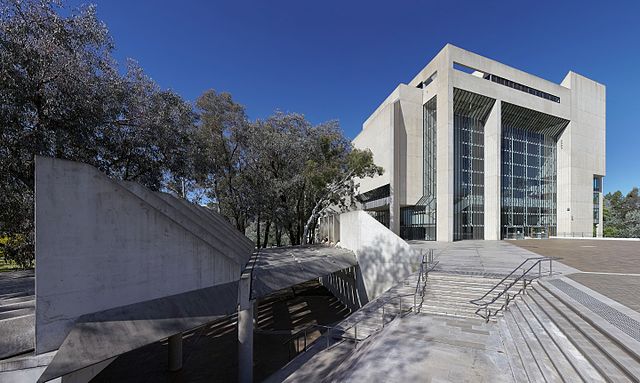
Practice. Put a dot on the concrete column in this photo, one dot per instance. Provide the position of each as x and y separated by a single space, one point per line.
245 330
256 313
492 172
394 196
175 352
600 228
444 142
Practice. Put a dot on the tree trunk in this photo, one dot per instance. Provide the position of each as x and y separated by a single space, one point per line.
267 226
292 235
258 231
312 219
278 235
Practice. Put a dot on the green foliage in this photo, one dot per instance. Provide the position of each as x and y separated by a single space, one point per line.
13 254
621 215
62 95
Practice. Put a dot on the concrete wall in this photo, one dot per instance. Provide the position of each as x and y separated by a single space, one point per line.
581 154
384 258
394 134
344 285
100 246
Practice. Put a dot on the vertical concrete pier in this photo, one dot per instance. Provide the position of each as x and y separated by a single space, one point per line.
245 330
175 352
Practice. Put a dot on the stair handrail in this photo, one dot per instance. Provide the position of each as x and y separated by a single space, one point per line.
485 304
422 279
303 332
421 271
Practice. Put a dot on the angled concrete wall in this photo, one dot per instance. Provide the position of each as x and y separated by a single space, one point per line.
101 244
581 155
384 258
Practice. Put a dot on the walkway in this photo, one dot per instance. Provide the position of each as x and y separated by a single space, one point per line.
482 257
281 267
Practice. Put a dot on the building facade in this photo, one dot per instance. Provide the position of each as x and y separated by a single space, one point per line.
475 149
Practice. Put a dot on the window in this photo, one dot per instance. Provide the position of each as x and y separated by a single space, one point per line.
520 87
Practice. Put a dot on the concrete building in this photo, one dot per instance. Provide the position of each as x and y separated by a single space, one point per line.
475 149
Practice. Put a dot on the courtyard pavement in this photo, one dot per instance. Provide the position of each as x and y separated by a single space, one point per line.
418 348
484 257
610 267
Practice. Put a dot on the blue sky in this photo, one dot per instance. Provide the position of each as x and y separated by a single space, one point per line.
339 59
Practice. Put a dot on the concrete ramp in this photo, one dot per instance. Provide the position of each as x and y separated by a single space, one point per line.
281 267
119 266
103 335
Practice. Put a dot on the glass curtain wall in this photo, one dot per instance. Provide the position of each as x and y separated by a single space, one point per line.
470 112
419 221
430 155
529 194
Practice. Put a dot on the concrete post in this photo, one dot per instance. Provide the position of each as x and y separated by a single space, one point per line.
256 313
245 330
394 195
492 172
175 352
444 145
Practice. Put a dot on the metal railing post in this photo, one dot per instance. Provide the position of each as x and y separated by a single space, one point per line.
327 333
539 269
383 315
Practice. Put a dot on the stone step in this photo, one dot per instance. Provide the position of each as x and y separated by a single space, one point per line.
627 359
563 367
463 283
451 314
30 304
461 295
529 360
543 361
517 368
17 299
584 368
584 337
624 340
462 277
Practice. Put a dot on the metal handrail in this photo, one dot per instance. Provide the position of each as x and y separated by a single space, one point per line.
415 294
304 331
422 279
509 297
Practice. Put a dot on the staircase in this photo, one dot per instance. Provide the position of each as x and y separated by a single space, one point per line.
547 340
449 294
371 318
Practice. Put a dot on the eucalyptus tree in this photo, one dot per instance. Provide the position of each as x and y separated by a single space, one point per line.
331 172
621 214
220 155
62 95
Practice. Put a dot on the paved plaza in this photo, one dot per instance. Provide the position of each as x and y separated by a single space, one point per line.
483 257
610 267
589 255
